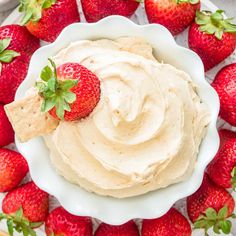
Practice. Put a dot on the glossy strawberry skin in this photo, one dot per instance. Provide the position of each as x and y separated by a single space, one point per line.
33 200
174 16
6 130
13 168
94 10
225 85
225 135
54 20
172 223
127 229
22 41
211 50
87 90
12 75
60 222
208 195
219 170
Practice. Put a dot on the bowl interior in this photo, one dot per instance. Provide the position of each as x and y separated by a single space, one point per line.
108 209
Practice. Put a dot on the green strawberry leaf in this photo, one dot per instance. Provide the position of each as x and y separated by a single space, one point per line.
187 1
8 55
4 44
214 23
10 226
226 226
211 213
55 93
35 224
69 97
40 86
33 9
19 214
68 84
223 212
46 73
216 220
52 84
233 179
49 104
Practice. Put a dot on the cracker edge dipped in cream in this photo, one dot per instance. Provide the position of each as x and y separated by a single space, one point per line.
144 133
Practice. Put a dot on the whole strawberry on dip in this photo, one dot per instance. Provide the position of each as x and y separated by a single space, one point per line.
212 37
95 10
46 19
110 106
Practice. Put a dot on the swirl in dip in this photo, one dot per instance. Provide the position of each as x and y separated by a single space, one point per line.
146 130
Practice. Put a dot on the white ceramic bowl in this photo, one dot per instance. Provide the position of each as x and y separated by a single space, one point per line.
110 210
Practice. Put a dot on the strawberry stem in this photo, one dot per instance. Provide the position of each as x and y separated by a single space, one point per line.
216 220
233 179
55 93
214 23
188 1
17 222
32 9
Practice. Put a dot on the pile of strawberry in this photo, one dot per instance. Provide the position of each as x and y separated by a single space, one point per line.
26 207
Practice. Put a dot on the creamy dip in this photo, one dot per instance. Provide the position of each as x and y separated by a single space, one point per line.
146 130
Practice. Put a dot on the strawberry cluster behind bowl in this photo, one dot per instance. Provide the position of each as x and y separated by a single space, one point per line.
211 206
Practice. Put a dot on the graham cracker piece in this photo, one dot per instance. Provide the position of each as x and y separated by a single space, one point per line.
27 119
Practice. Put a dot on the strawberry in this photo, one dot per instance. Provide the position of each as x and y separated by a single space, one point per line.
95 10
13 168
172 223
211 206
6 130
225 85
212 37
25 208
127 229
16 48
21 40
222 170
46 19
175 15
70 91
60 222
226 135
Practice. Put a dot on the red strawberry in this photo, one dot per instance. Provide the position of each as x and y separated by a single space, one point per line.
21 40
13 168
127 229
16 48
6 130
70 83
175 15
225 85
225 135
60 222
24 208
222 170
211 206
95 10
48 18
212 37
172 223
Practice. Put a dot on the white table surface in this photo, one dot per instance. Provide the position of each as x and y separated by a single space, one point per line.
230 7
